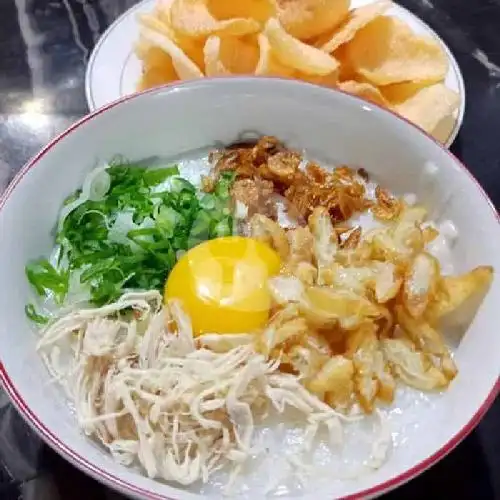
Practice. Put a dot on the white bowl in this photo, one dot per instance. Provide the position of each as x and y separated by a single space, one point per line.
187 116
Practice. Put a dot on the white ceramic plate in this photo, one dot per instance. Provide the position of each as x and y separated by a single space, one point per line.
177 119
113 69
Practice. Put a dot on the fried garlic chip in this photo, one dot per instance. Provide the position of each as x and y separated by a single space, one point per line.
412 367
325 243
193 18
355 279
398 243
387 281
430 106
285 289
301 243
396 54
428 340
297 55
306 19
335 381
357 19
372 377
306 273
459 297
264 229
420 283
285 325
305 361
326 307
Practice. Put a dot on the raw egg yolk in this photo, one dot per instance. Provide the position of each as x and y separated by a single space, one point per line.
222 284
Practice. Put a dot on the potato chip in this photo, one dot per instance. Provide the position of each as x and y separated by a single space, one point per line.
192 18
157 68
331 80
459 297
211 52
296 54
397 93
155 77
357 19
428 107
230 55
192 48
387 51
306 19
268 64
365 91
162 9
184 67
260 10
142 48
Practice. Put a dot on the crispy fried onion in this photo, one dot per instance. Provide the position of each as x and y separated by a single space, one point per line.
267 167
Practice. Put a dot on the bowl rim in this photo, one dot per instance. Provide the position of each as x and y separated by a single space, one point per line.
128 487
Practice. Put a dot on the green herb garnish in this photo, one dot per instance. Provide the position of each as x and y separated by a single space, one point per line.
34 316
131 237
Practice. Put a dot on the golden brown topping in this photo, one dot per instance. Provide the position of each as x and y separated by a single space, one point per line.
246 191
316 173
207 183
266 146
264 229
388 207
340 192
255 194
238 160
350 242
301 244
283 166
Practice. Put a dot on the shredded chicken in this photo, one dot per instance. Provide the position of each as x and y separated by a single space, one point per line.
155 398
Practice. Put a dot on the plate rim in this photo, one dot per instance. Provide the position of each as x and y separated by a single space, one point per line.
454 66
128 487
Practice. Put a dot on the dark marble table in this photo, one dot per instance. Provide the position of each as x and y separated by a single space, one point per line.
44 46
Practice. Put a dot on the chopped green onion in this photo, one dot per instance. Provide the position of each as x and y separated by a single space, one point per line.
34 316
129 233
46 279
